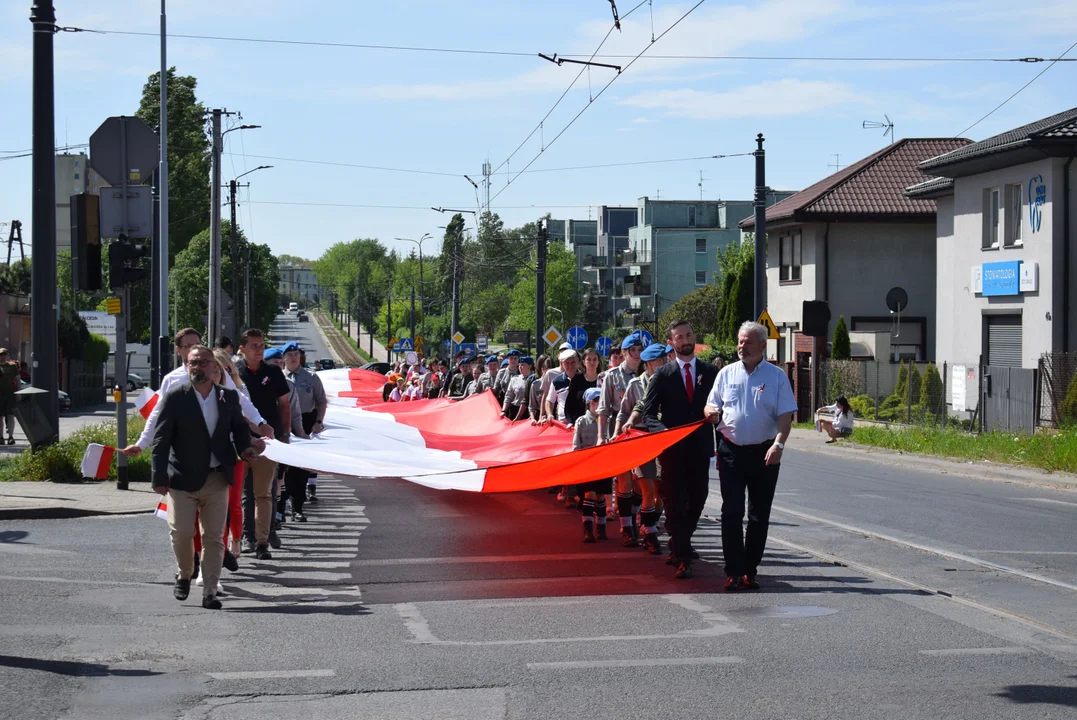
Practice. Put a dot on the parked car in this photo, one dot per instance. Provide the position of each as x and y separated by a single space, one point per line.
134 382
302 317
65 401
378 367
326 363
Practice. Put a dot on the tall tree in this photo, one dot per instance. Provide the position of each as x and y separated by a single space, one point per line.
562 292
701 308
840 348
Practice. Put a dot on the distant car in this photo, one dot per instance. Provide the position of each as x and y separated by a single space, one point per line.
134 382
326 363
65 401
292 307
378 367
302 317
280 310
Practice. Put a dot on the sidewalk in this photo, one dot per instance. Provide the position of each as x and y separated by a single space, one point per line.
379 354
69 423
46 500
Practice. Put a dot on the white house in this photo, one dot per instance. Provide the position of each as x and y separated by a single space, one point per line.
1007 245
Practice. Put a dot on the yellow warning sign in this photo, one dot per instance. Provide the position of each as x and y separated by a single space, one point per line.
772 329
113 306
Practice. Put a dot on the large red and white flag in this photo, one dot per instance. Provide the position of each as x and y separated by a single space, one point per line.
97 460
451 445
146 402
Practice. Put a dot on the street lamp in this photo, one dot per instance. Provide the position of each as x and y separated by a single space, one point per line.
551 307
422 285
232 184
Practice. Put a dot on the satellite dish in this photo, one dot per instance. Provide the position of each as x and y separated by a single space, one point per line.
897 299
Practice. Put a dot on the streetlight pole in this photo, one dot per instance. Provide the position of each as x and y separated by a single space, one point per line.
233 248
422 284
455 278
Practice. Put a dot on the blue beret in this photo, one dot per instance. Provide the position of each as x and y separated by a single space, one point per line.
513 353
464 361
528 359
669 349
654 351
290 347
591 394
633 339
491 358
505 362
273 353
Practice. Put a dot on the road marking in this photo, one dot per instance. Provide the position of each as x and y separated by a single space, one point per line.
630 662
1048 500
271 674
415 623
1030 552
389 562
927 548
952 652
537 602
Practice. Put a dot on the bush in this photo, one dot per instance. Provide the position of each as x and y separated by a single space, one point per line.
96 350
933 391
892 408
915 380
1067 409
840 349
901 389
843 378
61 462
862 405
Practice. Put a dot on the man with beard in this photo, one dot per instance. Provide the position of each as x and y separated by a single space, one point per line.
752 403
200 429
677 394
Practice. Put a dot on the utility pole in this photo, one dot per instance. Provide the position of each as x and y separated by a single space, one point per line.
232 251
540 288
160 260
455 294
247 288
214 305
760 203
389 329
413 313
44 354
155 290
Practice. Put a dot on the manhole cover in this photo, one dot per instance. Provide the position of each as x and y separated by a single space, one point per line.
784 612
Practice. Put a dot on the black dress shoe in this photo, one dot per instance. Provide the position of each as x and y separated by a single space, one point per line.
600 532
733 584
182 588
210 602
274 540
749 582
650 541
671 559
262 553
628 539
230 561
684 571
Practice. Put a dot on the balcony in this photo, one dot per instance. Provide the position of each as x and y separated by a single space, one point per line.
635 286
595 262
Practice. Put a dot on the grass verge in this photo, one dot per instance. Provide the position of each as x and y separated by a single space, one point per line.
1051 452
61 462
351 341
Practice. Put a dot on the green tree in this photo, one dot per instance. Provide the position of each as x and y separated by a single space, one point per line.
840 349
701 307
736 265
562 292
901 389
933 391
1067 409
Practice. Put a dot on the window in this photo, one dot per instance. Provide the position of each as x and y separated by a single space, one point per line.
1013 215
789 260
701 277
691 216
701 246
991 218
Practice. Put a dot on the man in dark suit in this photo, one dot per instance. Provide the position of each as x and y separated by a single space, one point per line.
677 395
200 429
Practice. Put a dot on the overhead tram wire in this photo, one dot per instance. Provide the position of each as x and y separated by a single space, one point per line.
511 53
537 206
598 95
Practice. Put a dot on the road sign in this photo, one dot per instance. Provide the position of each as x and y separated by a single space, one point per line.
645 337
396 346
107 151
480 340
393 341
468 349
603 346
411 358
406 345
113 305
517 337
419 342
552 336
458 337
772 329
138 213
577 337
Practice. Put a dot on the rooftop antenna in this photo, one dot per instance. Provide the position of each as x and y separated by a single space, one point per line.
837 163
700 183
887 127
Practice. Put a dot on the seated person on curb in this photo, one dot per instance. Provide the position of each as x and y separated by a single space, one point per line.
842 424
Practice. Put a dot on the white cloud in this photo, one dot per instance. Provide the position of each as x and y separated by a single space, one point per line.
778 98
642 120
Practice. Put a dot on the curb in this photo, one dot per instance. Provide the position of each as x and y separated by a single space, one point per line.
61 513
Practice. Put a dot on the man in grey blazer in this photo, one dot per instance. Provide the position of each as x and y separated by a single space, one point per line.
200 429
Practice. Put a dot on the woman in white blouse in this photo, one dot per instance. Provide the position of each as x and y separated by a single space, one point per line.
842 424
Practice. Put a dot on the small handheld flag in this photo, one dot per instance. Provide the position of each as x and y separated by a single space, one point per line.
97 460
162 510
146 402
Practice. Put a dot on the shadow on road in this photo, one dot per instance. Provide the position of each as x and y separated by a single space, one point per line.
12 536
1041 694
70 668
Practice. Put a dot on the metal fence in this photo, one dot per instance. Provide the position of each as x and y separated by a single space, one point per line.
906 392
1058 389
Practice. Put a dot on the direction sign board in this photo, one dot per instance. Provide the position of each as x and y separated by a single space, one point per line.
396 346
772 329
468 350
517 337
552 336
458 337
107 151
113 306
406 345
480 340
577 337
603 346
645 337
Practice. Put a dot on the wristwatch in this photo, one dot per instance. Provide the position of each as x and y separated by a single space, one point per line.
780 445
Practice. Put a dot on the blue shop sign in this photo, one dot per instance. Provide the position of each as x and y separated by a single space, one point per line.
1002 278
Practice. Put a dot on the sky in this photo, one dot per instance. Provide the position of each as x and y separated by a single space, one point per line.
323 110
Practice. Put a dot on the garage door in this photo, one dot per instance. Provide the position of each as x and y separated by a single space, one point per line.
1003 340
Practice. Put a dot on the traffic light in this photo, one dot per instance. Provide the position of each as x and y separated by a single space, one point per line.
121 255
85 242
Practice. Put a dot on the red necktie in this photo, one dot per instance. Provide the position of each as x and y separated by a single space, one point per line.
688 381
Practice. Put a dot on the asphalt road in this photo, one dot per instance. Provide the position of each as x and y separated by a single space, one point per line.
286 328
396 601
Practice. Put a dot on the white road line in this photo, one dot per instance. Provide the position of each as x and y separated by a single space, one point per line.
415 623
629 662
271 674
955 652
1052 501
961 557
1030 552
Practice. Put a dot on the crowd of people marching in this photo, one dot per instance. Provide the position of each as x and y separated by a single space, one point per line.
602 404
225 500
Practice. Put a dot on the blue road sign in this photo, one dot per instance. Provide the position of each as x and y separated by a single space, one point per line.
406 345
468 349
646 337
603 345
396 346
576 337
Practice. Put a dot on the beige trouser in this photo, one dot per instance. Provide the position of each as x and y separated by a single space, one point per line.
263 474
210 503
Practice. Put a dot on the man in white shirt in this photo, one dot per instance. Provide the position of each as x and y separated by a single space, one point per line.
186 339
752 403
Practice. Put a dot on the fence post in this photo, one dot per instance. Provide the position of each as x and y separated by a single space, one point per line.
908 393
877 371
942 405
